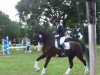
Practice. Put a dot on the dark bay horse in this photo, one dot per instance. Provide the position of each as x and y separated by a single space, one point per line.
47 40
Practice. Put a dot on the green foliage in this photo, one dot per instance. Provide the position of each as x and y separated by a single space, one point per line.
98 32
0 47
33 11
4 23
10 28
62 9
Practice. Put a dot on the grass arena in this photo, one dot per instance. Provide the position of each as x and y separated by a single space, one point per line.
21 63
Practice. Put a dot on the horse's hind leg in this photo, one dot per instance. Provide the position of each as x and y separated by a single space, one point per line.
70 58
37 60
84 62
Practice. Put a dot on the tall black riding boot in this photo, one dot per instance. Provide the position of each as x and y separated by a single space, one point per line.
62 50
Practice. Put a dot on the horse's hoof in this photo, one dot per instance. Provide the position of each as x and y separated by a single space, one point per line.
65 74
86 73
43 74
37 69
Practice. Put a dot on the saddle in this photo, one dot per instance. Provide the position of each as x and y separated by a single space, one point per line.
66 44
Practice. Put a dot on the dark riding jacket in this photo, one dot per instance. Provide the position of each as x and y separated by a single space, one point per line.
60 30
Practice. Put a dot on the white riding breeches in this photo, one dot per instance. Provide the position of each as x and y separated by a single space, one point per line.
62 39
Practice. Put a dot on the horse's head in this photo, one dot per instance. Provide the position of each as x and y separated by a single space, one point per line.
42 36
37 38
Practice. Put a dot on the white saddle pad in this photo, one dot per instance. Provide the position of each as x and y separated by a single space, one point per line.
66 45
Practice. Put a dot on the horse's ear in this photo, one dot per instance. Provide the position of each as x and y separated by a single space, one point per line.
34 30
37 30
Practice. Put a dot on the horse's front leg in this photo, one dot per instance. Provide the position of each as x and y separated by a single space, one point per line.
37 61
45 65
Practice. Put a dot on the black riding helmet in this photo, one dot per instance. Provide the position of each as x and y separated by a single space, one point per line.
54 19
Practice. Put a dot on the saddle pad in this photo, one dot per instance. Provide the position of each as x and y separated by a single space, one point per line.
66 44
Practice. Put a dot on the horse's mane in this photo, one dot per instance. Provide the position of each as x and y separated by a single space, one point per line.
46 33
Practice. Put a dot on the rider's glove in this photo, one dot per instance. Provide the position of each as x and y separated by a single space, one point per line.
56 36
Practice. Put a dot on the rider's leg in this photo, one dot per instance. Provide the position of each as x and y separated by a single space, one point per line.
62 50
62 39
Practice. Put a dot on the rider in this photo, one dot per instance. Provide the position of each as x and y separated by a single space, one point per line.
60 34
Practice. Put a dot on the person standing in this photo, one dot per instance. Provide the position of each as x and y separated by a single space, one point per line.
28 45
14 42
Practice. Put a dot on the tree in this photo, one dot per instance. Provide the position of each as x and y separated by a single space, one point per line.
4 23
37 12
33 11
10 28
46 9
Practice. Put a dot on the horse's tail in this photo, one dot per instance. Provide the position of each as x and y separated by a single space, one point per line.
86 54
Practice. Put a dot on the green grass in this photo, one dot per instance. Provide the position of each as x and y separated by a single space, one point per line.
20 63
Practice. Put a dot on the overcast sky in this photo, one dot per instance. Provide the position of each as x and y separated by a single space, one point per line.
8 7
